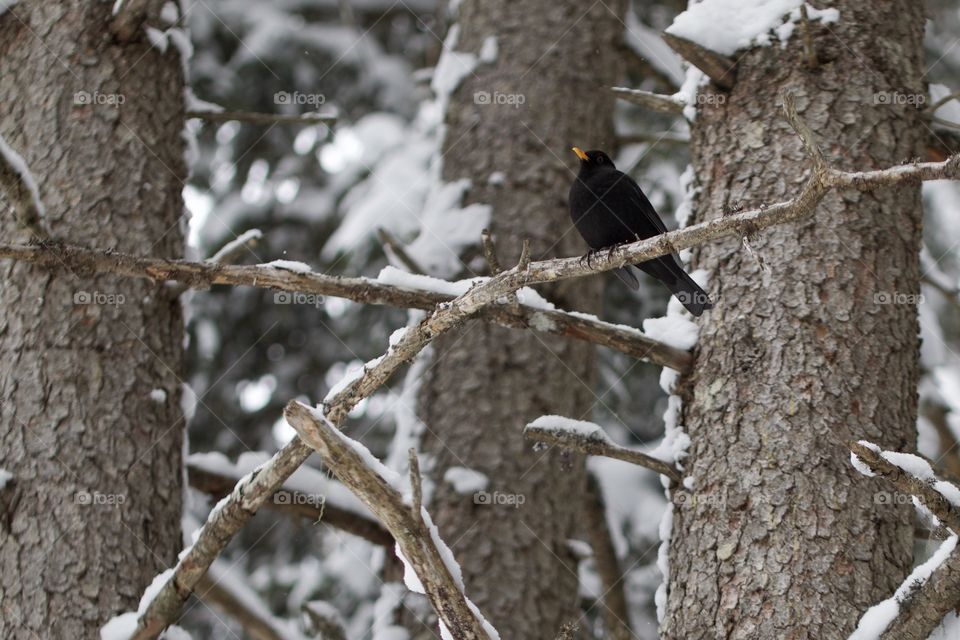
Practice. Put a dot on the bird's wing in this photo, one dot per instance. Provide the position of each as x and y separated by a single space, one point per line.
639 200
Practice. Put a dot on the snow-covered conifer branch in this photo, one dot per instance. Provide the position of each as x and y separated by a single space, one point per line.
294 502
253 490
590 439
719 68
912 475
363 290
417 540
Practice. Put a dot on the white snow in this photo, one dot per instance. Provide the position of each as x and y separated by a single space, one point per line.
158 39
158 395
489 50
726 26
19 166
914 465
192 103
562 424
663 561
860 465
878 617
692 81
169 13
6 4
452 67
416 282
676 331
123 626
5 477
497 178
290 265
466 481
241 240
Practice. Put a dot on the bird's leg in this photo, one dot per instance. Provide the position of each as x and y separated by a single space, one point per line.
611 250
588 257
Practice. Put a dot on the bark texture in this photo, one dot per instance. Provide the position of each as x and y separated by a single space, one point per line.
485 382
95 507
782 538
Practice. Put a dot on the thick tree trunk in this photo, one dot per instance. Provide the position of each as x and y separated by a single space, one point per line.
90 423
486 382
782 539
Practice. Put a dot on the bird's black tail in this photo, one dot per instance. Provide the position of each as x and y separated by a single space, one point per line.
668 271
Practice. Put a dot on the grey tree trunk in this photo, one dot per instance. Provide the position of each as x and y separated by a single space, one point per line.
782 538
485 382
94 509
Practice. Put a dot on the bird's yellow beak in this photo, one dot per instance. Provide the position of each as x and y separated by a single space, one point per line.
581 154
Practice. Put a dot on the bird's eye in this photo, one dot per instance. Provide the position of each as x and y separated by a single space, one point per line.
599 159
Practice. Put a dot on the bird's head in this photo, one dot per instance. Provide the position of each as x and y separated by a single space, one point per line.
593 160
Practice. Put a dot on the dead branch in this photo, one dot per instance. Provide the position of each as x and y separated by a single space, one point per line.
395 251
932 499
254 622
720 69
616 613
295 503
253 117
808 48
415 539
230 252
924 608
596 443
652 101
364 290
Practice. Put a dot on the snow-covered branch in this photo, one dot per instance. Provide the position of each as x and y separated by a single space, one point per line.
256 487
418 543
653 101
295 501
410 293
589 438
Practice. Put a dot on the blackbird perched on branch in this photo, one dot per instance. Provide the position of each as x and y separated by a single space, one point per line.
609 209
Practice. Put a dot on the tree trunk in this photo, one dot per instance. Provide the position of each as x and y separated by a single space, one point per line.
485 382
90 421
781 538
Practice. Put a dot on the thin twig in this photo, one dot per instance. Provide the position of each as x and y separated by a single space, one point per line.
394 250
490 252
942 101
808 48
262 118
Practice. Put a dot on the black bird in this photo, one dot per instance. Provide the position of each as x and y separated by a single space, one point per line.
609 209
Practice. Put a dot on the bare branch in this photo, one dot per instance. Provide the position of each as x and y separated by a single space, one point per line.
262 118
129 18
803 131
490 252
942 101
720 69
295 503
414 538
416 482
395 251
932 499
808 49
592 440
257 622
204 274
616 614
324 621
652 101
231 251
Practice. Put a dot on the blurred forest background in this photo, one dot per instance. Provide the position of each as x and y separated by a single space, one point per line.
330 196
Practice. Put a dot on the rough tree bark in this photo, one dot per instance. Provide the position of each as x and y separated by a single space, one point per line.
94 511
782 540
487 383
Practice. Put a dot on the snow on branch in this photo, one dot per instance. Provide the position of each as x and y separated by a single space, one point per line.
418 543
589 438
295 499
653 101
912 475
20 189
161 606
410 292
